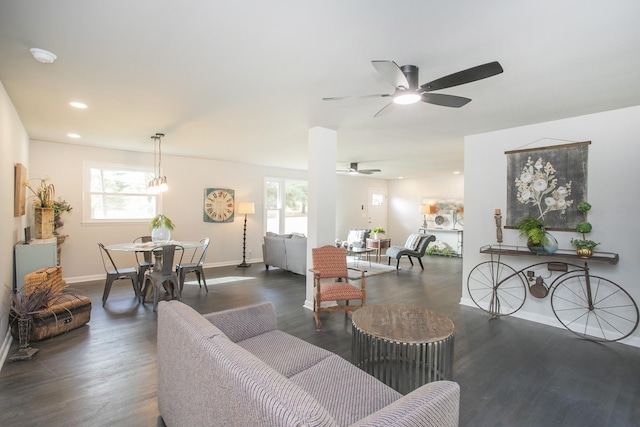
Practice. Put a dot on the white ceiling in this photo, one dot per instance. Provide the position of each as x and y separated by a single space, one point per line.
244 80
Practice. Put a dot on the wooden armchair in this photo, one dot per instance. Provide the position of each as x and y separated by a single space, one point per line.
330 262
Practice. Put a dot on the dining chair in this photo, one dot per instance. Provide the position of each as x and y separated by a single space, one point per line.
114 273
182 269
163 272
330 262
143 258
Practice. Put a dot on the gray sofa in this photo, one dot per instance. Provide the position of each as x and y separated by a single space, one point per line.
285 251
235 368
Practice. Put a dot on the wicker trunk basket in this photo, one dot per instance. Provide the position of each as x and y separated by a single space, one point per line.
69 312
50 277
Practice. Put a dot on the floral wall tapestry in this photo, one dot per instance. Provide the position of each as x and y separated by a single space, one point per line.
547 183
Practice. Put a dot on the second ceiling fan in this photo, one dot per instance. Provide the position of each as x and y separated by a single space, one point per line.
407 91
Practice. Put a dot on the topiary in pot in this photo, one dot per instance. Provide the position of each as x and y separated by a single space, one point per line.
584 247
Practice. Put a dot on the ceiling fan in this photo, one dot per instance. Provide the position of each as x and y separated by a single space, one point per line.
353 169
405 80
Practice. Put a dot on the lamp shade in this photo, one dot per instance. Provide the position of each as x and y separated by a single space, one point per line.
246 208
424 209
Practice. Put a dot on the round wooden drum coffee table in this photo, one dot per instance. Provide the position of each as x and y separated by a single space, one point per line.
403 346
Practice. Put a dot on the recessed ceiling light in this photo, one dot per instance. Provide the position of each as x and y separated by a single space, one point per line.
78 105
401 177
456 172
73 135
43 56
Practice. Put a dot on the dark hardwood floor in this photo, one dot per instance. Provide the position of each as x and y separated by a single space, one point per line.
511 372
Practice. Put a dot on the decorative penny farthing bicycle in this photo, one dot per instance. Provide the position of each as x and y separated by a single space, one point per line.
592 307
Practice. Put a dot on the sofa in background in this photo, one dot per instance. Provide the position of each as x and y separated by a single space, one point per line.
235 368
285 251
357 238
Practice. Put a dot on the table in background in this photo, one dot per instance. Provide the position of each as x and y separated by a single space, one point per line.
356 253
378 245
403 346
452 237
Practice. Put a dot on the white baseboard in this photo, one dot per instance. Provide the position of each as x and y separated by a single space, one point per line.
96 277
633 341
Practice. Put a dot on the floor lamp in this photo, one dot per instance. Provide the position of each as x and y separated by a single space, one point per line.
245 208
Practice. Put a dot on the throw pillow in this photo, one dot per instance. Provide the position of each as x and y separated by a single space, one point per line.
412 242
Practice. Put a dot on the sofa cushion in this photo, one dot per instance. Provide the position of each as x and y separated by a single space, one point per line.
240 324
283 352
347 393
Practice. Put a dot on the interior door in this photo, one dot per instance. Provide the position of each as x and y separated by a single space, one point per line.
377 207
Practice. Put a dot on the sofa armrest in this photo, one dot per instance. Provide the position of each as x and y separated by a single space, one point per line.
245 322
435 404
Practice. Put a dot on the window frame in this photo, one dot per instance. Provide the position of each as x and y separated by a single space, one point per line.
86 192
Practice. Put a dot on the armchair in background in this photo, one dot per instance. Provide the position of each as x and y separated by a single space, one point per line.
414 247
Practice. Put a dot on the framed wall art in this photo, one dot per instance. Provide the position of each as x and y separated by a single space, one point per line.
20 191
219 205
547 183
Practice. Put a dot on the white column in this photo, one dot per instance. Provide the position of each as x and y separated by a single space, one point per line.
323 146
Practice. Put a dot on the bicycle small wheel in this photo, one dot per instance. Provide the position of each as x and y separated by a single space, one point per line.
496 288
612 316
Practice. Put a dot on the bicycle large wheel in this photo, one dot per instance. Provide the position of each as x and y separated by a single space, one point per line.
612 315
496 288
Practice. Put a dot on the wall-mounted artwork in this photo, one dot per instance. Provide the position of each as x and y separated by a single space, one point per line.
20 191
547 183
443 214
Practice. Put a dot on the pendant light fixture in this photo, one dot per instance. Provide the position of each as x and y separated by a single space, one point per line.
159 183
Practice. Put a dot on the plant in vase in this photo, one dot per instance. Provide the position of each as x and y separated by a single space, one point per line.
161 227
538 239
43 195
377 232
584 247
23 306
59 207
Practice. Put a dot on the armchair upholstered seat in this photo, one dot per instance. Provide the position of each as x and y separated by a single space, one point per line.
415 247
330 262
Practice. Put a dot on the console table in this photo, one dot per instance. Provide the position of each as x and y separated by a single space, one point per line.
452 237
378 245
403 346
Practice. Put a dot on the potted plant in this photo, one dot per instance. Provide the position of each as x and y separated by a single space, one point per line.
23 306
43 208
377 231
584 247
161 227
538 239
59 207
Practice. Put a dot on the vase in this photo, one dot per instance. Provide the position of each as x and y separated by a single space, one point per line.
43 223
548 248
160 235
25 352
584 252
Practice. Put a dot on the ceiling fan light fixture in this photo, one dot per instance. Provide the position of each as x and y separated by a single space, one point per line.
406 98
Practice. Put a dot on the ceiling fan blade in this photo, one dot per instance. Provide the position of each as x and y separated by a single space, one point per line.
386 109
444 100
462 77
369 171
392 73
340 98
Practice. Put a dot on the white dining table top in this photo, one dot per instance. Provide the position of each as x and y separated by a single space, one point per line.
149 246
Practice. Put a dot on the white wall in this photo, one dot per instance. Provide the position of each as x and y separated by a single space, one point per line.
352 194
14 148
612 190
188 177
405 197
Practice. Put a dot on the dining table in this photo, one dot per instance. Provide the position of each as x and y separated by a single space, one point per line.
151 246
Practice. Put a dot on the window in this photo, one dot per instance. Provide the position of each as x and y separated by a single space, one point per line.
286 205
118 193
